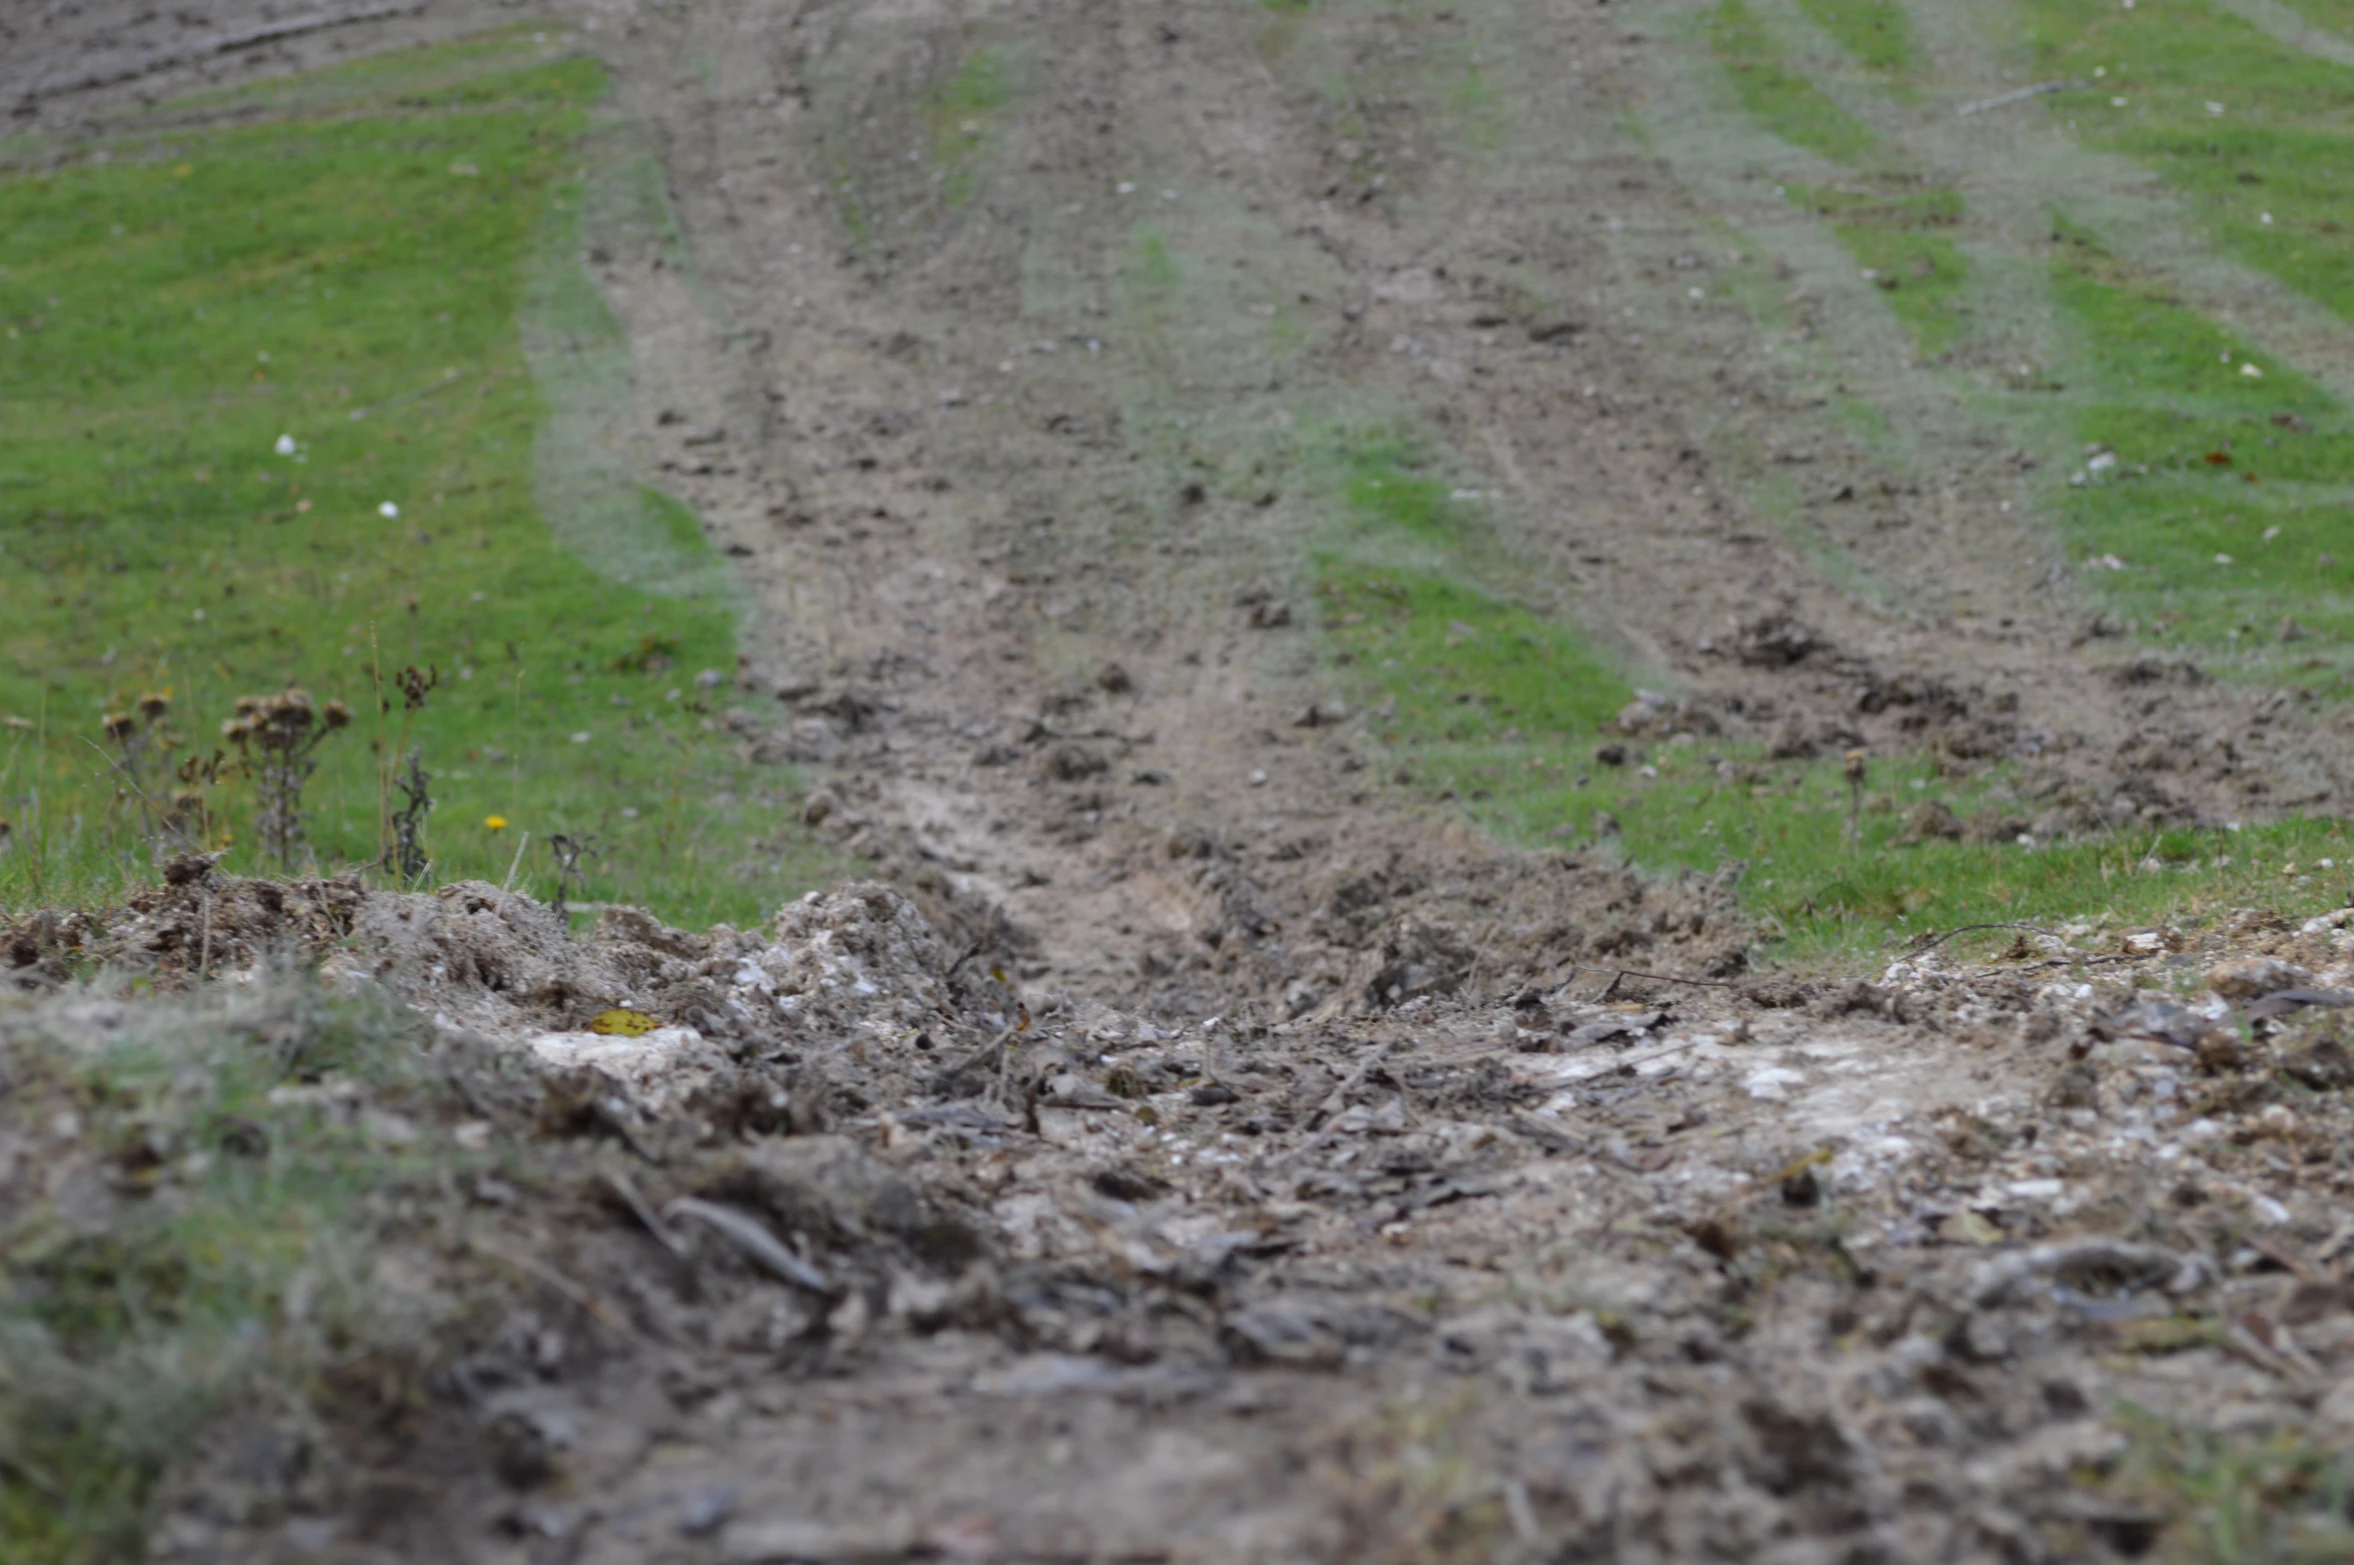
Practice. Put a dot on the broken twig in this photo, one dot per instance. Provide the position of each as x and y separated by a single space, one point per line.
750 1235
2002 100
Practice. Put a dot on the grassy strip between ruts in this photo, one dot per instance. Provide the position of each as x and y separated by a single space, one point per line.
1901 239
1877 33
2217 494
1781 98
1508 714
2213 502
2214 495
268 422
2258 136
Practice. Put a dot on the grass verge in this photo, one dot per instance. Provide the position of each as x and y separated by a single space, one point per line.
266 420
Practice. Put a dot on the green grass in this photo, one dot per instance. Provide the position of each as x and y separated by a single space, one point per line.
1899 237
2256 469
1876 33
2248 1496
1504 712
2334 15
2282 148
1780 99
236 1264
351 273
961 115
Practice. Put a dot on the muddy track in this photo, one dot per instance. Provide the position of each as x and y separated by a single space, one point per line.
1430 1242
1038 657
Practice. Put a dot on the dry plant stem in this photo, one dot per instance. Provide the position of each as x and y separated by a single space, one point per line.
1334 1103
383 775
517 863
569 852
1855 799
278 736
748 1234
515 747
619 1183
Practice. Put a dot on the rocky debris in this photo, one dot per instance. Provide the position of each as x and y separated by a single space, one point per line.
1654 716
1775 641
2248 977
1857 1252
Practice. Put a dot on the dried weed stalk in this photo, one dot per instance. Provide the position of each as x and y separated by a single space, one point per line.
277 738
570 877
407 858
169 794
400 832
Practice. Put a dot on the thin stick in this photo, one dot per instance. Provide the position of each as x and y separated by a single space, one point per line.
204 961
2020 96
1663 978
383 778
515 747
1966 929
523 842
1336 1102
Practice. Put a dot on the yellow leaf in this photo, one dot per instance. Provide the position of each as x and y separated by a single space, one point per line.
2169 1334
619 1023
1968 1227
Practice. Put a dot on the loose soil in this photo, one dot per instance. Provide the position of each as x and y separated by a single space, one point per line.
1206 1149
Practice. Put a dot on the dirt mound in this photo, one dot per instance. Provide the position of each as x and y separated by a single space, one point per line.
1861 1268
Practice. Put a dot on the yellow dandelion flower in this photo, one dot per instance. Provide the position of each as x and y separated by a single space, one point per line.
495 822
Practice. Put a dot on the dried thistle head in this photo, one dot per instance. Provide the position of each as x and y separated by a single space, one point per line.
337 715
119 726
238 729
414 684
154 704
248 705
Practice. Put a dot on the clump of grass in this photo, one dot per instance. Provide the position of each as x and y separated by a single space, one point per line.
2249 1495
1901 236
1778 97
2218 504
1877 33
262 406
961 115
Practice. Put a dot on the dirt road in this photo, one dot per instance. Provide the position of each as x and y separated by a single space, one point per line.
1005 363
